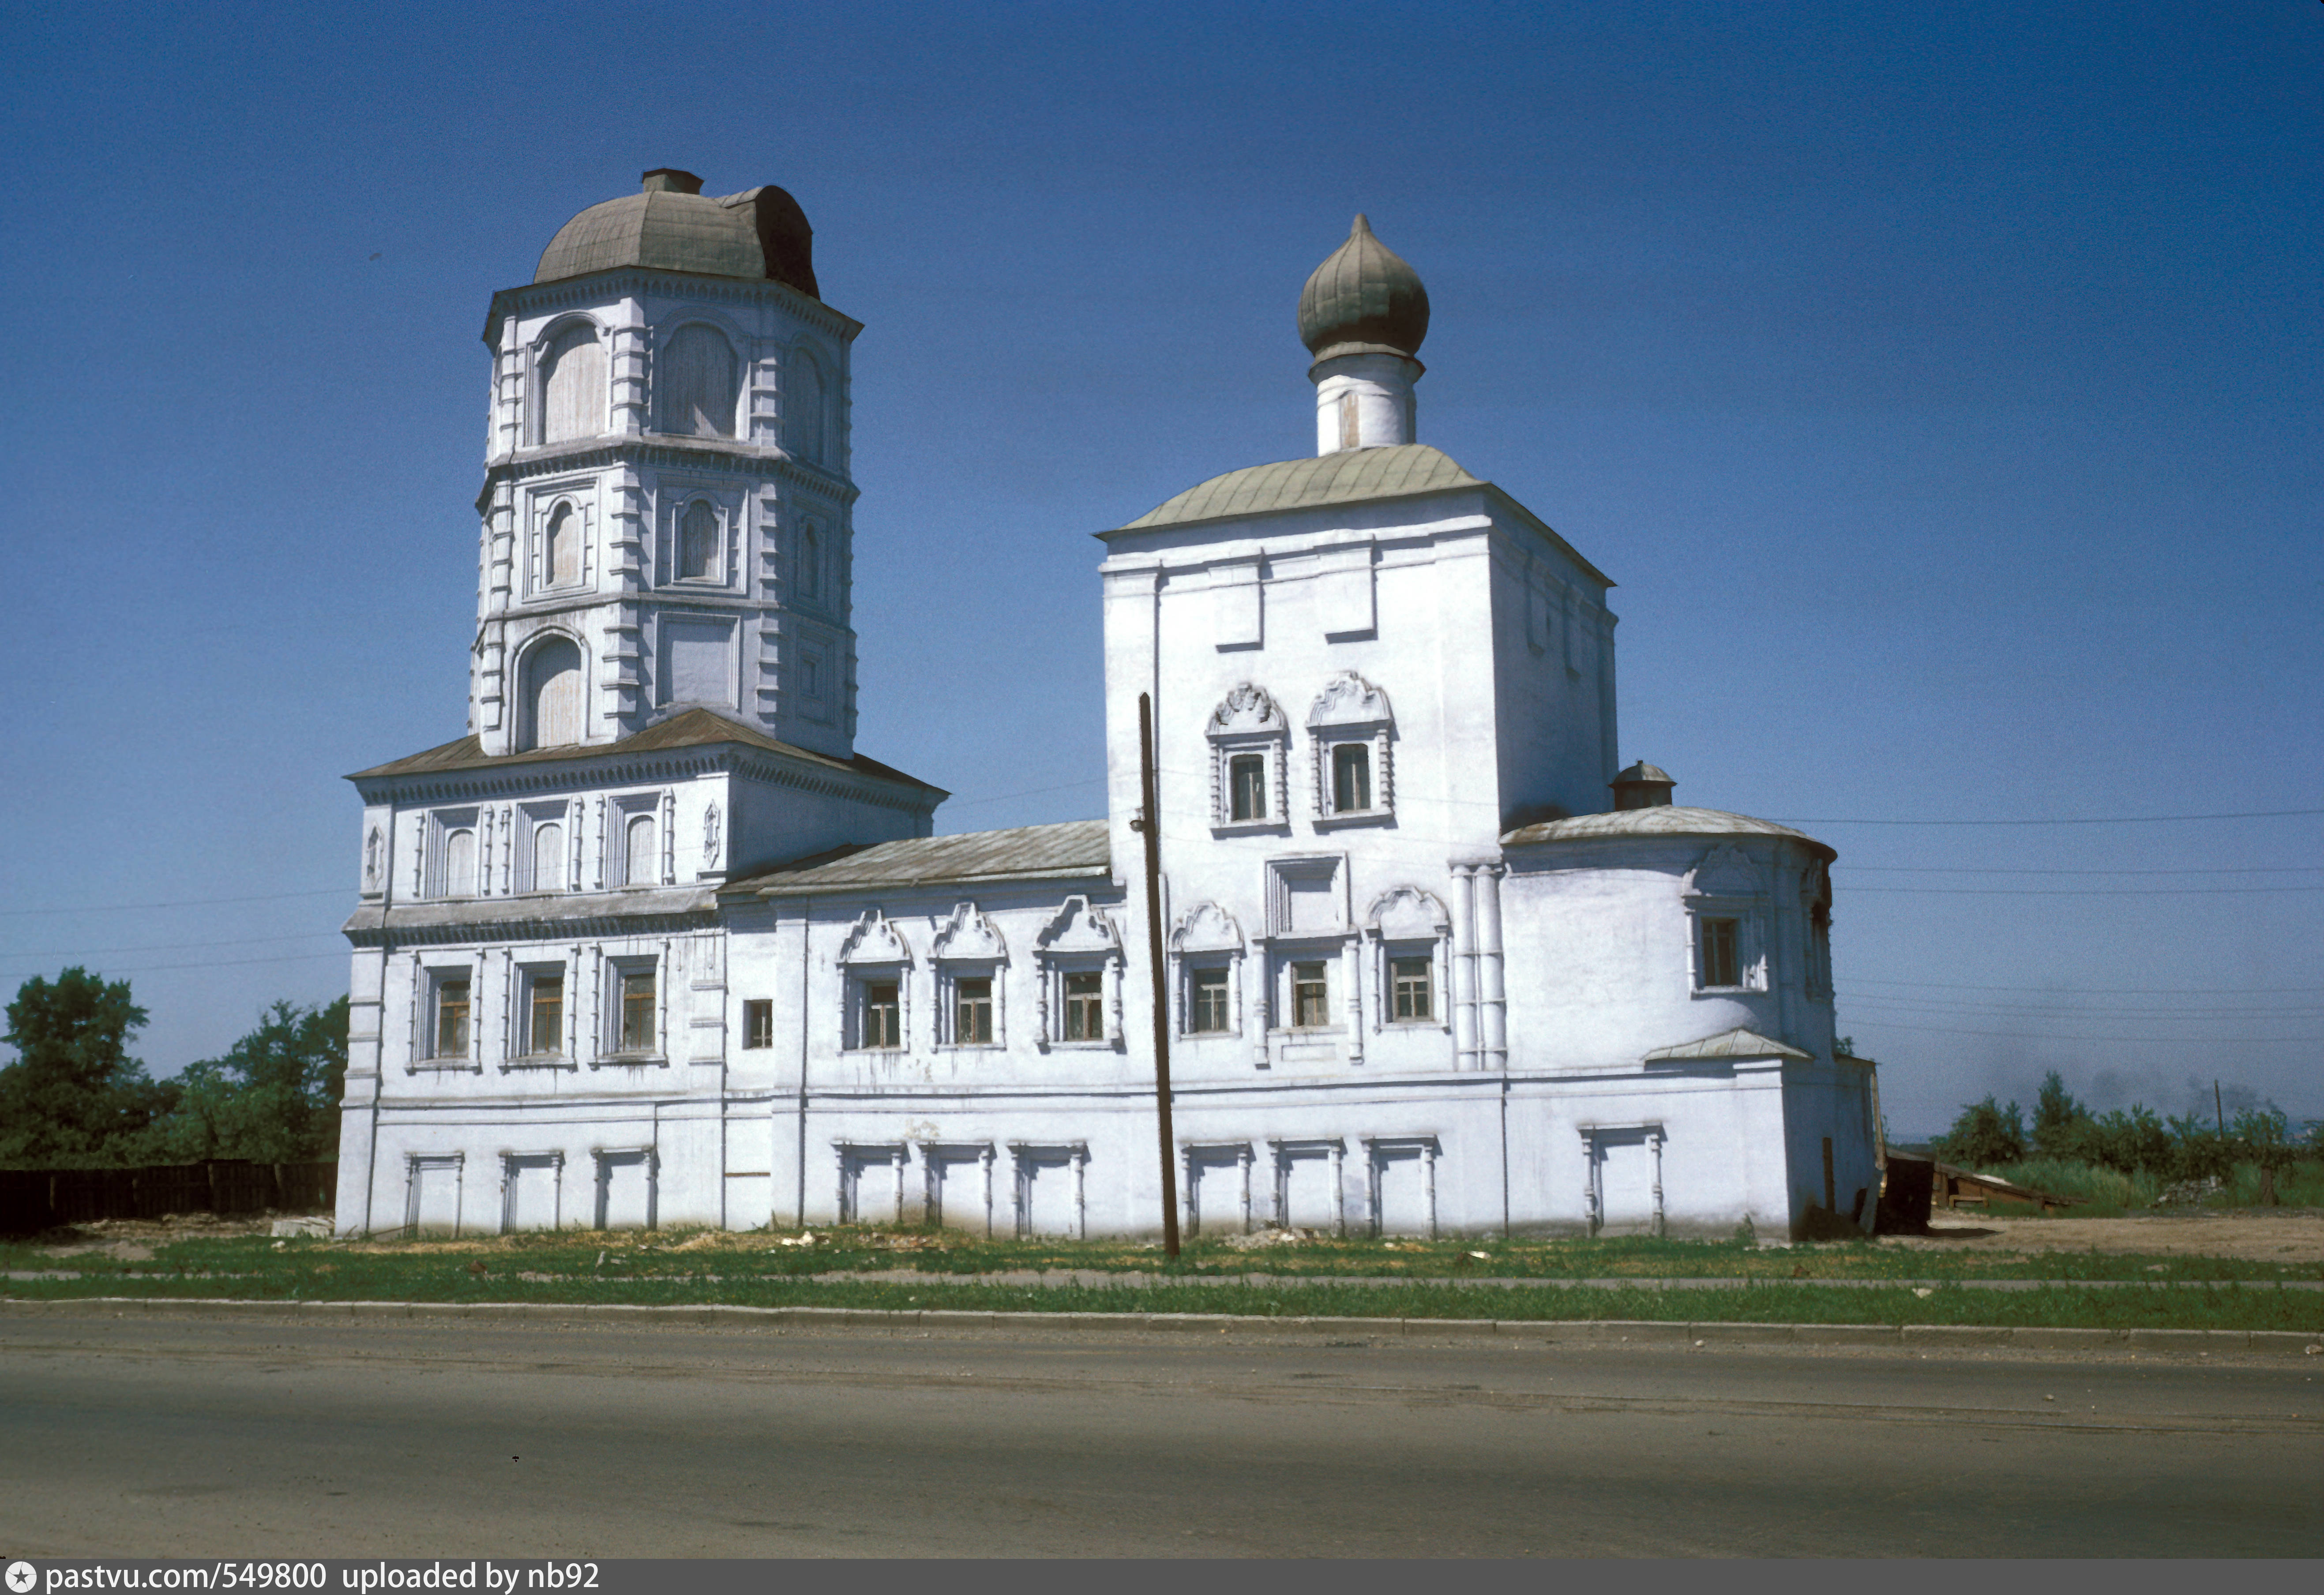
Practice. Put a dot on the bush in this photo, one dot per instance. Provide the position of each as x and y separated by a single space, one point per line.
1985 1136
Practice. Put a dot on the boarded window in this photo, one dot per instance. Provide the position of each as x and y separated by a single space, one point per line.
560 561
696 384
573 386
1247 775
552 695
640 866
697 543
459 863
1352 777
544 868
803 408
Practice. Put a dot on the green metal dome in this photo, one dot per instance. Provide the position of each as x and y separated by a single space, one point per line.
670 225
1363 300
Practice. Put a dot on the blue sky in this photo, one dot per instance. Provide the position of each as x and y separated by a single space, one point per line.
1941 385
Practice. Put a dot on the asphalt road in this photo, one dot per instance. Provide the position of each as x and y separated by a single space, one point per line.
262 1437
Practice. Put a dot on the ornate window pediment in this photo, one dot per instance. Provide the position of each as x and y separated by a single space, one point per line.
1727 871
1250 741
969 935
874 939
1078 980
1350 732
1728 926
1206 952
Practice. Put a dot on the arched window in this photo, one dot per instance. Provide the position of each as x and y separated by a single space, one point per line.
696 384
810 562
573 386
803 407
697 542
551 707
560 558
460 863
642 868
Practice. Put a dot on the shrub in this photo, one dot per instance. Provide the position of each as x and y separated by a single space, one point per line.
1985 1136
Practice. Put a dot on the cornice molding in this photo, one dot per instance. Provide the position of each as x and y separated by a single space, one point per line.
611 923
532 297
584 774
758 461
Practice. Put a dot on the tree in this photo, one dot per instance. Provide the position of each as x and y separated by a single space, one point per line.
2263 1134
1985 1136
274 1096
74 1096
2062 1125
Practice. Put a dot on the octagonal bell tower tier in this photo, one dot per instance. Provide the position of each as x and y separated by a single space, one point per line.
666 519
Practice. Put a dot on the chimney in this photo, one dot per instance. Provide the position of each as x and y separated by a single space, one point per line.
1642 785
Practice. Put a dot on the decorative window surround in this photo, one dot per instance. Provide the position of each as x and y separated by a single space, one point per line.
1286 1152
1379 1151
455 854
1248 722
1207 938
1030 1158
1728 885
937 1160
858 1161
647 1161
522 986
1198 1156
1595 1139
427 986
1080 940
1406 923
617 1046
969 946
874 954
512 1164
417 1167
1350 712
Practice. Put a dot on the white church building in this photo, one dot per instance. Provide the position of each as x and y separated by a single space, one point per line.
653 944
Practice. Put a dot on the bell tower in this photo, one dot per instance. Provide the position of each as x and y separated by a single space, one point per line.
666 513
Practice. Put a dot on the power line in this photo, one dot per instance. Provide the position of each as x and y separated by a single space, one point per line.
1850 892
256 941
2132 820
2103 990
226 964
277 896
1982 870
1901 1024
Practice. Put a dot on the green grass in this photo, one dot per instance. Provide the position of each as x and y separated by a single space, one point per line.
443 1279
2102 1192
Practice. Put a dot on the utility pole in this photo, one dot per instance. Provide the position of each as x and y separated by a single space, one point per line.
1149 823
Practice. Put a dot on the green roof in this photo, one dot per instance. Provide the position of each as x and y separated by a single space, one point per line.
1343 478
759 234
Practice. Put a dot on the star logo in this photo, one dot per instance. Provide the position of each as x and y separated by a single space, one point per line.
21 1577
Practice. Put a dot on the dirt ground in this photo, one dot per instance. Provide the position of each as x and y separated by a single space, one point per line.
2291 1235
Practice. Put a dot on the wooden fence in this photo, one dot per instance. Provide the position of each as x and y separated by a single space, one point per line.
36 1199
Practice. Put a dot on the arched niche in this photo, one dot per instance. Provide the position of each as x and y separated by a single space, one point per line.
572 384
694 382
550 695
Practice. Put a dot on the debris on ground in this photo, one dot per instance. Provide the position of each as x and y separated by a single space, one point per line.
2188 1192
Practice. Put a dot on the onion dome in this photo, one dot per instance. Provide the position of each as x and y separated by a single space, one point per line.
669 225
1363 300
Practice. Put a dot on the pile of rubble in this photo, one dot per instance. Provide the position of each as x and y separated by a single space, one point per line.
2189 1192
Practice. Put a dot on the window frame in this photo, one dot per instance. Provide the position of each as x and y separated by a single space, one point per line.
1249 723
1747 915
1399 962
863 983
1350 712
523 1051
429 983
758 1036
1195 976
443 825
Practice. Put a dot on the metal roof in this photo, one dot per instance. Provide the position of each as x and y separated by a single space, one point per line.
1340 478
1672 819
1363 300
1738 1043
758 233
693 728
1027 853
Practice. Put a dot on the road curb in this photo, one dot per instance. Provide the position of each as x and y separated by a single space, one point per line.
1548 1331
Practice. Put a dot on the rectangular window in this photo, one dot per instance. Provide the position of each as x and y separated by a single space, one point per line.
1247 777
883 1015
1415 988
972 1011
1721 965
1352 777
452 1018
1311 997
544 1018
1207 1014
637 1010
758 1024
1085 1007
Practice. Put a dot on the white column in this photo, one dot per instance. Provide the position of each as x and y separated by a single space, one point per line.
1465 1042
1492 999
1352 963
